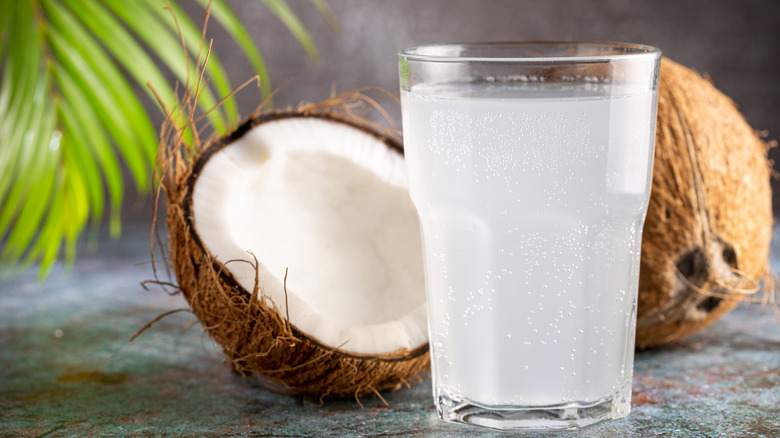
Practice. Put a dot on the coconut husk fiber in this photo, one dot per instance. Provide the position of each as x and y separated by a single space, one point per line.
252 330
705 244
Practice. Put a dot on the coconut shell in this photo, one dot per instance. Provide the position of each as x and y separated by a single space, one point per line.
705 244
254 334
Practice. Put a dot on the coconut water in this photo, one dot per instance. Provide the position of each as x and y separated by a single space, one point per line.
531 200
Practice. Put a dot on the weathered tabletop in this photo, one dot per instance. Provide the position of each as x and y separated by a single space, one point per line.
67 368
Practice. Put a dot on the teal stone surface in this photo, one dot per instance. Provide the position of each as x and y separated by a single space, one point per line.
68 369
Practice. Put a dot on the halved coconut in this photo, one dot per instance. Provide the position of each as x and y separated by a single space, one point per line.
298 248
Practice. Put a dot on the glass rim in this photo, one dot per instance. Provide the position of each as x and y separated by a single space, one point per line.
631 51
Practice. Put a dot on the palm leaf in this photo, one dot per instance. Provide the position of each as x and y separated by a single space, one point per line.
192 37
106 90
294 25
165 43
23 97
71 119
327 13
233 26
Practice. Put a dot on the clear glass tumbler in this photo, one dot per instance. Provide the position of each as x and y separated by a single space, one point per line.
530 167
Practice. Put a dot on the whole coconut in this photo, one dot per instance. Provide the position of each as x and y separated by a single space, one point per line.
706 238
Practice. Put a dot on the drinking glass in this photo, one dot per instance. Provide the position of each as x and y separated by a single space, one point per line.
530 166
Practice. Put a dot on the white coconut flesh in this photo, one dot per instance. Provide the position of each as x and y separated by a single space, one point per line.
329 203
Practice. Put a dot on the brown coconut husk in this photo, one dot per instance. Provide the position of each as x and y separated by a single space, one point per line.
256 336
705 244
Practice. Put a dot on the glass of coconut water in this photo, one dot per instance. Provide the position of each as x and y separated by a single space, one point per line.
530 167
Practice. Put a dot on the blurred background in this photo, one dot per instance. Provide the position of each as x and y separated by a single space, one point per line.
735 43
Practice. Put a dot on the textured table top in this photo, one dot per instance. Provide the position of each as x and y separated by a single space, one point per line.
67 368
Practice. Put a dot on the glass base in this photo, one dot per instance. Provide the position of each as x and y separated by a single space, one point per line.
574 415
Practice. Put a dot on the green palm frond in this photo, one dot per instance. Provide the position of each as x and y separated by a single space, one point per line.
71 119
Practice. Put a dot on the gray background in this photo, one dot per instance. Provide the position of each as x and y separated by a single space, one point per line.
734 42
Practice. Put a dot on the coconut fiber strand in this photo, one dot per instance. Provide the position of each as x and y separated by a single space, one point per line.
705 244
